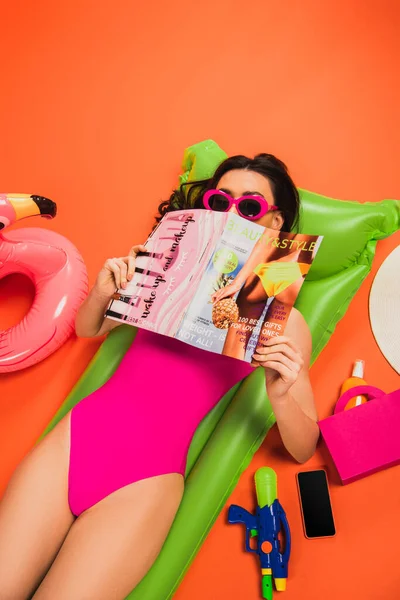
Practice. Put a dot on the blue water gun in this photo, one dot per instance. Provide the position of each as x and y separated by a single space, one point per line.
268 522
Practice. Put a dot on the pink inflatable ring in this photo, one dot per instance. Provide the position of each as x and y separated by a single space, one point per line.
58 273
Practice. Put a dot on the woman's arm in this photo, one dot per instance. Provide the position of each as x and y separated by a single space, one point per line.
90 320
115 274
286 361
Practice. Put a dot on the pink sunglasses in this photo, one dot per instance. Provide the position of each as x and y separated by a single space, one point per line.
250 207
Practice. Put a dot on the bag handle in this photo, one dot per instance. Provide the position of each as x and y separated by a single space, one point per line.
372 392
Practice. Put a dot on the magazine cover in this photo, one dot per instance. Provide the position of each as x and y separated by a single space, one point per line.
216 281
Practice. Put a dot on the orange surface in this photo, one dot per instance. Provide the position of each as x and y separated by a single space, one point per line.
98 102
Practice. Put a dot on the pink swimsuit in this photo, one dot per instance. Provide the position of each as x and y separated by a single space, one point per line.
141 422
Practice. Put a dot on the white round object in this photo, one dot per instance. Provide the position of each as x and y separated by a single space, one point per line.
384 308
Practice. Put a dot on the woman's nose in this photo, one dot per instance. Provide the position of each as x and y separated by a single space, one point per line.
233 209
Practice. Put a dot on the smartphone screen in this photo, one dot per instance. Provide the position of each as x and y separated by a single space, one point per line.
316 504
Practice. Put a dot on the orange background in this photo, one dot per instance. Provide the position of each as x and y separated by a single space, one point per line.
99 101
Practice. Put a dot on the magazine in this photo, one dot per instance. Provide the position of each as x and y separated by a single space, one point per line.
216 281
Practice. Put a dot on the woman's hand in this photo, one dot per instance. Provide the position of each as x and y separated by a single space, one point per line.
282 361
228 291
116 272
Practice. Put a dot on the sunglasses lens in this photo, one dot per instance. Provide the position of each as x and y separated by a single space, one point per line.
218 202
250 208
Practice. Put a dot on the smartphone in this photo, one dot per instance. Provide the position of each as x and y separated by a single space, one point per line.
315 504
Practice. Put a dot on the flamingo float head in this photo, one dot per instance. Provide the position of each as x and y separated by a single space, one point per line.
14 207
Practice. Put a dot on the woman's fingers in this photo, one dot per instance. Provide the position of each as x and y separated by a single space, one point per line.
130 259
114 268
281 355
123 268
286 374
283 348
282 339
134 251
131 266
123 271
119 269
221 294
225 292
265 359
217 296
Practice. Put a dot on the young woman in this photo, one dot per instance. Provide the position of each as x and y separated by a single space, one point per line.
76 516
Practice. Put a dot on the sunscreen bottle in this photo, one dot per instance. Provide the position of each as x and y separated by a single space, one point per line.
355 380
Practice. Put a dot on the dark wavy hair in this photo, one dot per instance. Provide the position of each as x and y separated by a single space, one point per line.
286 196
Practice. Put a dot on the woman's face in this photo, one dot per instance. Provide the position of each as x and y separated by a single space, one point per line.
241 182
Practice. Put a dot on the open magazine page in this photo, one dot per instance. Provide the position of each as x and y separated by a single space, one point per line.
166 278
228 258
216 281
268 267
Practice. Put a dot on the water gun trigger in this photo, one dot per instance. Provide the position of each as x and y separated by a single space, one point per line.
253 533
237 514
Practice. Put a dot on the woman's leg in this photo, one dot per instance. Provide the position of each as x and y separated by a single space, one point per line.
112 545
251 303
35 515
